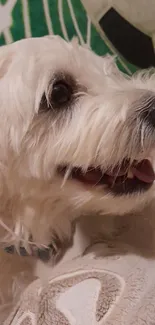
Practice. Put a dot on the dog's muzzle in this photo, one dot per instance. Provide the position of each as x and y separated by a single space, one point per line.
122 179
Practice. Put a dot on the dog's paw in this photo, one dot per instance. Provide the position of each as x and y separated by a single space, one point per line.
11 250
55 250
60 241
52 252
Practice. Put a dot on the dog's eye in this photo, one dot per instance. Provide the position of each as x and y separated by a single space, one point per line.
61 93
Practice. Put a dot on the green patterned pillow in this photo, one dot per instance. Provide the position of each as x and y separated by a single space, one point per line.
25 18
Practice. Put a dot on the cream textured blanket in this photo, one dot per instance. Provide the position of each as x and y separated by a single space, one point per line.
113 283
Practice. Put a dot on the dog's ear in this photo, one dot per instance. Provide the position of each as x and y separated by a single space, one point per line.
110 67
5 59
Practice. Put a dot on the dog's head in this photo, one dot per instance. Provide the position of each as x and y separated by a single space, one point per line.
69 114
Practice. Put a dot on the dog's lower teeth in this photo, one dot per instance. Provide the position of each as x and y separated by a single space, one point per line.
130 174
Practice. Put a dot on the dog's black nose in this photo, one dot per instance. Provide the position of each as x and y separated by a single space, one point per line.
151 115
148 111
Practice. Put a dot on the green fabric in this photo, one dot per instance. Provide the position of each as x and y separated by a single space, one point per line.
38 24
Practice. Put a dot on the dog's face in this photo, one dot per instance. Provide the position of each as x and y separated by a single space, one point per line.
70 115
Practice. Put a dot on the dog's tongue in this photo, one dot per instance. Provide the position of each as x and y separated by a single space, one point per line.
144 171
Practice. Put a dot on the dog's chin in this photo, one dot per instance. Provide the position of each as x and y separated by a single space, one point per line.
123 179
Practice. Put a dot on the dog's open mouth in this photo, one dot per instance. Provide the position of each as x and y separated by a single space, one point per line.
124 179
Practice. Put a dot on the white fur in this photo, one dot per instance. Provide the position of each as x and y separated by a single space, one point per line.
100 130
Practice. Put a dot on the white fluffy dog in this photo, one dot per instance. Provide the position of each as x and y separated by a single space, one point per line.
76 137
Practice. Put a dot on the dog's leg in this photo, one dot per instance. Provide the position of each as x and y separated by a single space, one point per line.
49 228
60 238
16 273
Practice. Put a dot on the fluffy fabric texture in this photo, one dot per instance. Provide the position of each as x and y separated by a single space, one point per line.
112 283
19 19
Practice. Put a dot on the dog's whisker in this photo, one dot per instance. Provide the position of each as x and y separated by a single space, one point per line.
142 136
66 176
79 200
98 182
